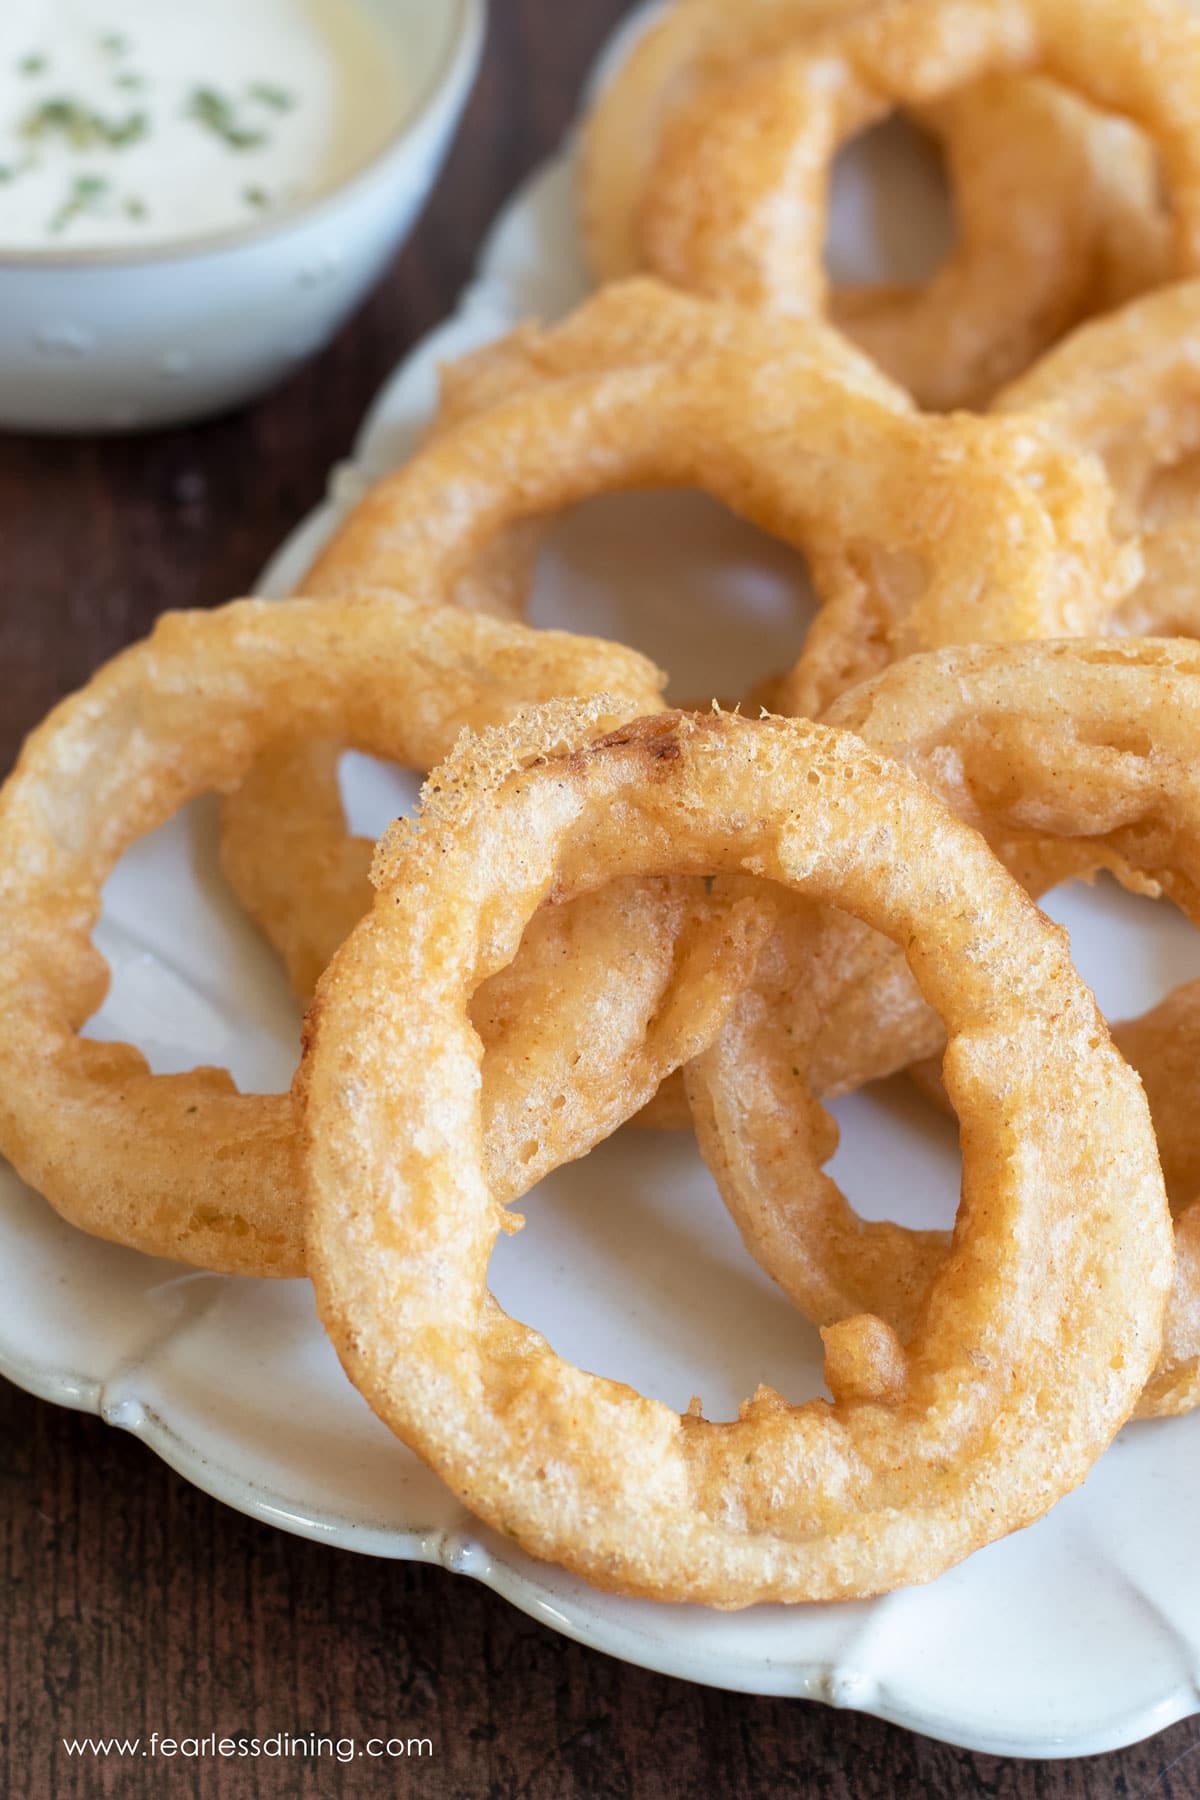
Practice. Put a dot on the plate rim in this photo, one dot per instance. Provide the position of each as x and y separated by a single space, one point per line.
473 1552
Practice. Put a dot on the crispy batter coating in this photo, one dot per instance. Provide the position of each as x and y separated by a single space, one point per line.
735 203
184 1165
1057 218
1069 758
1127 387
1056 203
919 531
284 847
1040 1328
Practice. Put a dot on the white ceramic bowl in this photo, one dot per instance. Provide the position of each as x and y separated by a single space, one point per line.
122 340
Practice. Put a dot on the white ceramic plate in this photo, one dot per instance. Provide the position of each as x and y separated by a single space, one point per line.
1076 1636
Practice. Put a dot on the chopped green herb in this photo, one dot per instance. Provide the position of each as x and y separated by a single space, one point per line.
33 64
82 128
256 196
219 115
123 131
131 82
134 208
277 98
114 43
84 195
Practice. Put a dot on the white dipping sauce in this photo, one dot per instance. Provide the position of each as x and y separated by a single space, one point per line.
138 122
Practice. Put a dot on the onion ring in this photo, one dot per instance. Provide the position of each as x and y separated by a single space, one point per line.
184 1165
1057 219
1127 387
919 531
735 204
1163 1046
284 848
926 1452
1057 203
1069 758
631 327
690 44
1006 538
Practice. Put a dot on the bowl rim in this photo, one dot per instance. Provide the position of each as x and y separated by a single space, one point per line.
459 59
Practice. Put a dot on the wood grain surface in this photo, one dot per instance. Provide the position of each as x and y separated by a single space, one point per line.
130 1601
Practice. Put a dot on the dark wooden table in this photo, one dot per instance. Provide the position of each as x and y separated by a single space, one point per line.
131 1601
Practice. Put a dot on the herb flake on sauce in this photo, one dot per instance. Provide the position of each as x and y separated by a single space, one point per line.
83 128
270 94
218 114
85 193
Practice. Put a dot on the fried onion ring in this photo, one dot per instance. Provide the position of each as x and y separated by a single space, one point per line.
184 1165
1058 218
284 848
1127 387
735 204
1056 202
1164 1048
690 44
927 1451
631 328
919 531
1069 758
